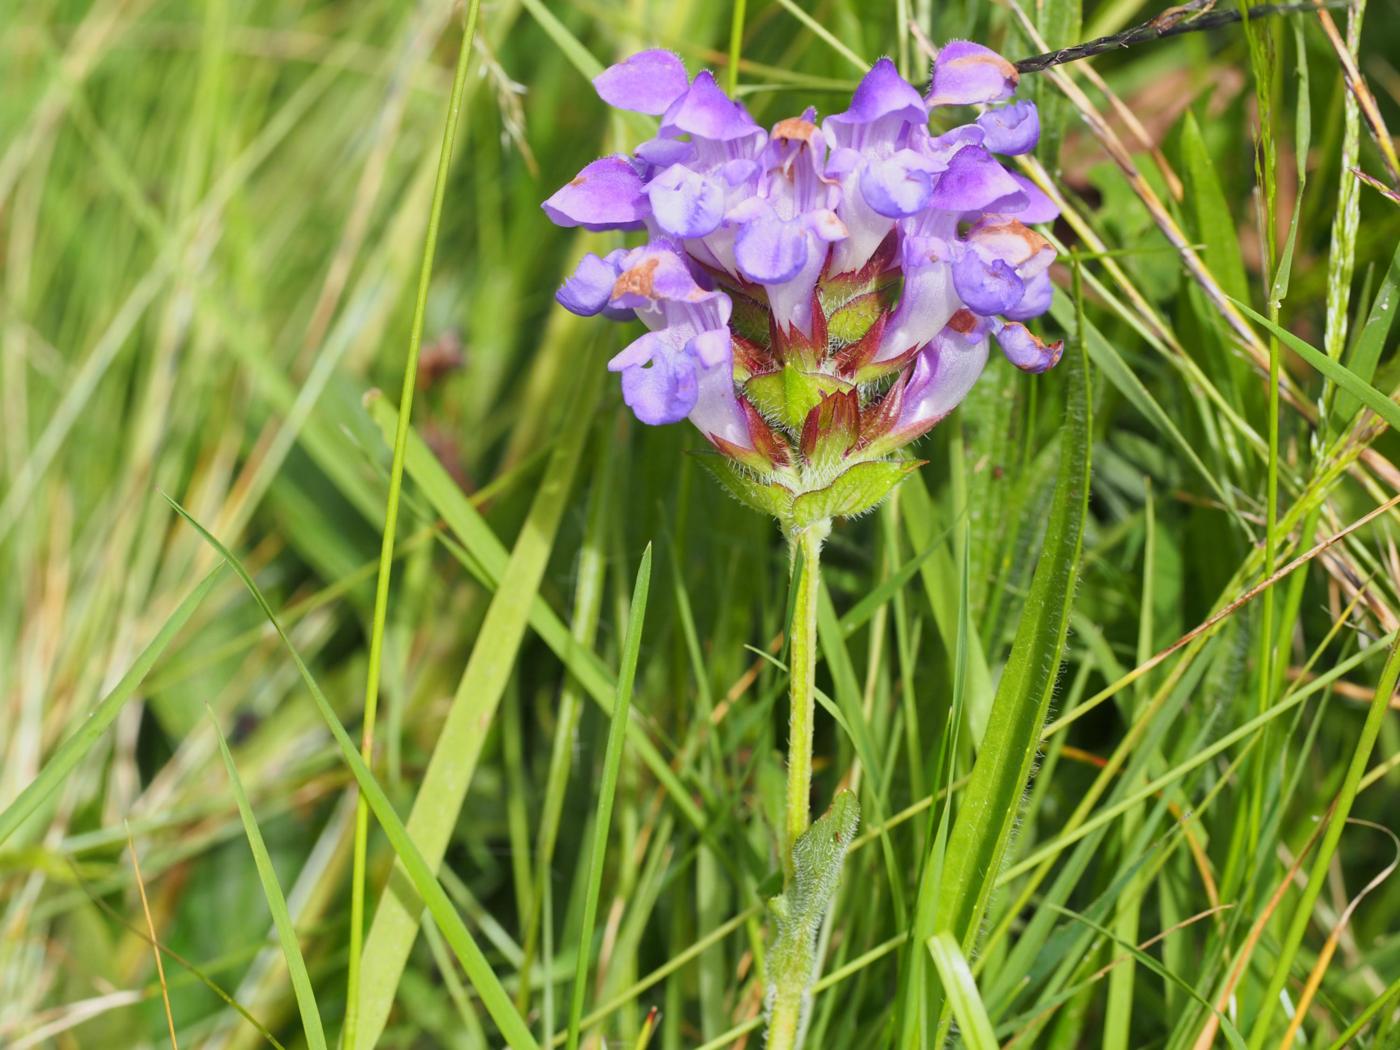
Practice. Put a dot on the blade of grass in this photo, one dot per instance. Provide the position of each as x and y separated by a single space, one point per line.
72 750
1337 818
612 763
464 946
489 560
155 943
276 902
1339 373
982 829
444 785
1366 353
961 989
391 520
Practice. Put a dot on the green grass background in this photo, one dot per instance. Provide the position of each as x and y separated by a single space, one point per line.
212 216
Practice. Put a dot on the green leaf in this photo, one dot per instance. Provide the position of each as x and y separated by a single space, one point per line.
966 1001
612 762
415 867
486 557
72 750
763 496
856 490
797 913
850 322
1339 373
1118 372
1214 224
276 902
977 844
1366 354
788 395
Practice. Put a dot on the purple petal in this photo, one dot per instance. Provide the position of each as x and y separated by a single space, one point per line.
638 352
827 225
927 302
946 371
791 301
973 181
708 113
1015 243
685 203
711 348
662 391
648 82
1039 294
663 152
770 250
1011 129
587 291
899 186
655 275
606 195
1025 350
939 150
987 287
717 413
1038 207
965 73
739 171
883 93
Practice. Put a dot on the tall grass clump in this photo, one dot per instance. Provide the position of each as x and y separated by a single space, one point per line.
378 670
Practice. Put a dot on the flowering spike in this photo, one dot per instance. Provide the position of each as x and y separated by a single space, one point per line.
817 296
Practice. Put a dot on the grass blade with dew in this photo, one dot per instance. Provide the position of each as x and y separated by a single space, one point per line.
612 763
276 901
464 946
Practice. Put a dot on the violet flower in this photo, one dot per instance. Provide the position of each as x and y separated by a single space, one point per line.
819 295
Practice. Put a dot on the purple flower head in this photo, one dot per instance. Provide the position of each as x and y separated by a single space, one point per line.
819 295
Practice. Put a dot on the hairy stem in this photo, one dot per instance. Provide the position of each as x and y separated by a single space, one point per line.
791 980
802 669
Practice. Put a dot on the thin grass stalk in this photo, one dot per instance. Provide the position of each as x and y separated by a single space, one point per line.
391 517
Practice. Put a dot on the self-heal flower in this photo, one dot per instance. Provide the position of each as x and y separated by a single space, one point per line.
819 294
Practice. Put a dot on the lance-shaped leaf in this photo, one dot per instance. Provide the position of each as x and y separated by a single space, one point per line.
988 809
798 913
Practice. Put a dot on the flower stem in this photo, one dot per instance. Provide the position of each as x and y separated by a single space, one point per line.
791 976
802 669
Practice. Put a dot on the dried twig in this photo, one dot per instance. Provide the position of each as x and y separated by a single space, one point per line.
1174 21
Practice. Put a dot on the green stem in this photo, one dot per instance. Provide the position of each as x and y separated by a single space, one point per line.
802 669
785 1016
391 517
791 982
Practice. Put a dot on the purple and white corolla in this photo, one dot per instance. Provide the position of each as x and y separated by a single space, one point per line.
818 295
